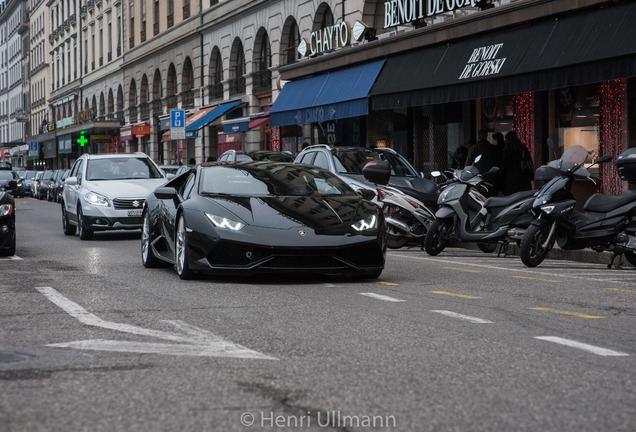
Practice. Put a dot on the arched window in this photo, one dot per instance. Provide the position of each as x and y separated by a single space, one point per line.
132 101
290 38
262 77
111 104
187 83
323 17
157 93
237 68
215 90
143 98
102 106
171 87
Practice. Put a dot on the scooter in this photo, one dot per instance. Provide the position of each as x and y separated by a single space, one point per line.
609 223
466 215
408 212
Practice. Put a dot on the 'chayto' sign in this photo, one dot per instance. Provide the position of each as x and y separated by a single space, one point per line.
399 12
326 39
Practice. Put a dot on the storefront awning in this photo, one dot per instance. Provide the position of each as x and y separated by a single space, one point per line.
245 123
205 116
585 48
336 95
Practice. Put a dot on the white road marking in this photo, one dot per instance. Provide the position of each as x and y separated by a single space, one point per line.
193 340
463 317
11 258
508 269
580 345
382 297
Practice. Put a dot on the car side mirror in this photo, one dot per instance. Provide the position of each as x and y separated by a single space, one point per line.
377 172
366 194
71 181
169 176
165 193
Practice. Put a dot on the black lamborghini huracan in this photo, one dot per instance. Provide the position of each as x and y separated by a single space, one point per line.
258 217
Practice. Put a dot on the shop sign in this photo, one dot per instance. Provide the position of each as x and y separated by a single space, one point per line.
68 121
101 139
83 116
399 12
65 144
326 39
483 62
48 127
140 130
125 134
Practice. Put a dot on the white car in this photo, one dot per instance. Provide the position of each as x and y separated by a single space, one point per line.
107 192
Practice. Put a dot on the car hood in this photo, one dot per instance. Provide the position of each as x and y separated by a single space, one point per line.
331 215
124 188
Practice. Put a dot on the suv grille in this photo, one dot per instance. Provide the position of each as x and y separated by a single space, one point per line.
128 203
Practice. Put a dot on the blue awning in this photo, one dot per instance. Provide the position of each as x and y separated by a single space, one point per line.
211 116
335 95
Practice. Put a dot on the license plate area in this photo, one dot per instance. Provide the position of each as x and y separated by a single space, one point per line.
134 213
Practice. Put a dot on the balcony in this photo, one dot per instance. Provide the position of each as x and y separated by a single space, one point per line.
186 10
132 113
187 99
121 117
66 25
237 86
155 29
156 107
171 101
216 91
262 80
21 115
170 20
90 5
83 10
143 36
144 111
72 19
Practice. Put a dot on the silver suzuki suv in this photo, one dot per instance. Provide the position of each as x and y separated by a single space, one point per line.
107 192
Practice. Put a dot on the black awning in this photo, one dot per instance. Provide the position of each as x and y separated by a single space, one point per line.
584 48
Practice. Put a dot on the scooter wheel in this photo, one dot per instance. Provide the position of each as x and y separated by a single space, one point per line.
531 251
438 236
395 242
489 247
631 257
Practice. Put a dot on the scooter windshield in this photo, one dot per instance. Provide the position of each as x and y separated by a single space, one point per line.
571 159
468 173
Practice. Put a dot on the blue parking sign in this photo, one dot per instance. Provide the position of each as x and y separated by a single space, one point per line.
177 118
33 146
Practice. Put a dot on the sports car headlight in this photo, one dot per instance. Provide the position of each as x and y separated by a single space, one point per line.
225 223
5 209
96 199
366 224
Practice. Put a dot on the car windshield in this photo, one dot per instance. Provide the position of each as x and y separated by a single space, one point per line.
119 168
271 180
351 161
29 174
6 175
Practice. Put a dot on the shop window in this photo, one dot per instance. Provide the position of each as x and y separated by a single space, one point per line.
577 111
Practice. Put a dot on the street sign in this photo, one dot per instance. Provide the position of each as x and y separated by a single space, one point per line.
177 124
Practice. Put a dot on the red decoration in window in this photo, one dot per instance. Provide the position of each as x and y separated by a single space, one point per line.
611 96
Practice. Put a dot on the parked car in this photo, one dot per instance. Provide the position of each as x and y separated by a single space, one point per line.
170 169
57 183
107 192
7 224
44 185
35 185
258 155
11 183
256 217
347 162
28 182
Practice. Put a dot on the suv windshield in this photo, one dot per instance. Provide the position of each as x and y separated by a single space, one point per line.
280 180
118 168
6 175
351 161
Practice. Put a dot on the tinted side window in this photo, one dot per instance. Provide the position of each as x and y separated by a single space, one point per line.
321 161
308 158
188 185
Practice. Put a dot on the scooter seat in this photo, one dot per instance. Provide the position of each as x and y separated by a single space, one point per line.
601 203
426 198
505 201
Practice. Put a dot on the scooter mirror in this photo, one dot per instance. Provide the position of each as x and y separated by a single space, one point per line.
604 159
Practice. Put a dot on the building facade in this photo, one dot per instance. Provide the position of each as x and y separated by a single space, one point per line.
419 76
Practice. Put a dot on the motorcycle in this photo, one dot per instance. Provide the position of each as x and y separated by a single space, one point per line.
408 212
466 215
608 224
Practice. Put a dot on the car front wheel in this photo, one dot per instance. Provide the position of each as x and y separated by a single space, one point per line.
148 257
181 243
84 233
68 229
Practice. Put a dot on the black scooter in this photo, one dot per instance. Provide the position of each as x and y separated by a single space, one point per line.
465 214
609 223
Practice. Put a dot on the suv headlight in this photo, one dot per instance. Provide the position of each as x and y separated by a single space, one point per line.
95 199
5 209
221 222
369 223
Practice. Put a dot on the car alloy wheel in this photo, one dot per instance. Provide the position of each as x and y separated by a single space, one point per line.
148 257
68 229
84 234
183 270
